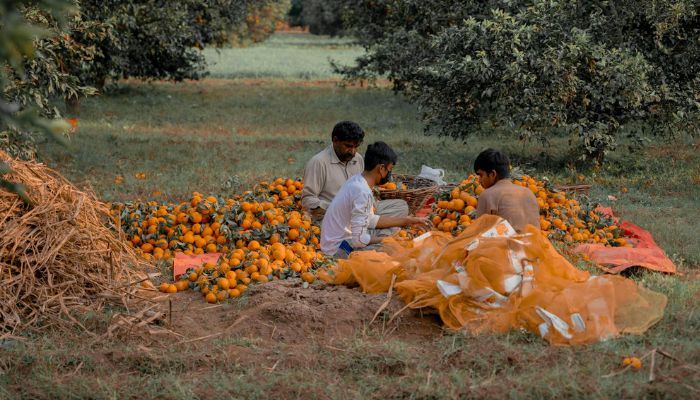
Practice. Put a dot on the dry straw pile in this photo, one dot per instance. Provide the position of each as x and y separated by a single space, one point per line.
59 257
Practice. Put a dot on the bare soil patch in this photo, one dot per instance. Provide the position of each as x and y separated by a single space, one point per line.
285 311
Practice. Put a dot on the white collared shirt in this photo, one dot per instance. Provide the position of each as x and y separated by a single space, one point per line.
349 217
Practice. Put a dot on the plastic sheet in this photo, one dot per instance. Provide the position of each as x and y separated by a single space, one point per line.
490 279
643 253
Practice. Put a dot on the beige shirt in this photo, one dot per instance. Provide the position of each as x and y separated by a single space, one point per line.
514 203
324 175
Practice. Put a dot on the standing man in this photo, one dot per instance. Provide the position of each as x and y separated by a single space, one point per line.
328 170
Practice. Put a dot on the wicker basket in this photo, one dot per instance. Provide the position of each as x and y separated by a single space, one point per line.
575 189
572 189
417 193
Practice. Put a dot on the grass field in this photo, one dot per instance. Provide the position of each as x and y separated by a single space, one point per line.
223 134
290 57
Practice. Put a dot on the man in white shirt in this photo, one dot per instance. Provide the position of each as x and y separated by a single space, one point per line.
350 217
328 170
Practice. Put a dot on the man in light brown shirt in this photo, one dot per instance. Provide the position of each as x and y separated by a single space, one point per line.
502 197
328 170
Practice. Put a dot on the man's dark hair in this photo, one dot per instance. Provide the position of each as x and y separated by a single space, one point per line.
493 160
348 131
379 153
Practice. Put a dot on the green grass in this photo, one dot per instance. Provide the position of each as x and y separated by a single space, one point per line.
288 56
221 136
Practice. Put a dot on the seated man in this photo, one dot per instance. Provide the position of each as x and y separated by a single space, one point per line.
502 197
328 170
350 218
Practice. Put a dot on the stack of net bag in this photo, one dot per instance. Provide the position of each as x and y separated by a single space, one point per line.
491 279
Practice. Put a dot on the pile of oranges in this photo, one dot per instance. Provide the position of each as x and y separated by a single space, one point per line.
562 218
256 263
262 235
268 214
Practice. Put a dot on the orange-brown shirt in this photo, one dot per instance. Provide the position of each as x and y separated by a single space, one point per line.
514 203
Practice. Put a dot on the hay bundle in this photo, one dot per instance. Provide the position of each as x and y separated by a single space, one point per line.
58 257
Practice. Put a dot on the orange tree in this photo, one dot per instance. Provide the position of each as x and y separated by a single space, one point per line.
537 67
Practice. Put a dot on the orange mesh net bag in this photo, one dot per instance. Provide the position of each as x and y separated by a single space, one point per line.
491 279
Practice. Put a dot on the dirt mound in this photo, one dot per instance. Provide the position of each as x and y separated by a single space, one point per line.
286 311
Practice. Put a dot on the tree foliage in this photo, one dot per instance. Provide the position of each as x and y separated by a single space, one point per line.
586 68
262 18
160 39
323 17
71 55
17 52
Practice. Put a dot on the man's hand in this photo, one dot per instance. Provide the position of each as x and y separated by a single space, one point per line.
420 222
317 213
386 221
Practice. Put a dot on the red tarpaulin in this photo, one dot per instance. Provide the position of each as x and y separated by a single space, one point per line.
182 262
643 253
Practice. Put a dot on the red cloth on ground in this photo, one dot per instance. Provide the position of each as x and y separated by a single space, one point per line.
644 253
182 262
427 208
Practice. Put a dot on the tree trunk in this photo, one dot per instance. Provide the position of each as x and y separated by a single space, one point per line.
72 104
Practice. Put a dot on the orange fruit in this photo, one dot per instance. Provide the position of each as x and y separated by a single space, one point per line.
308 277
296 267
279 254
293 234
196 217
171 288
457 204
254 245
146 247
210 298
307 257
182 285
223 283
207 231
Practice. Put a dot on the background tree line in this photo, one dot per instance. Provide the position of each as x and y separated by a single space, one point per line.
586 69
